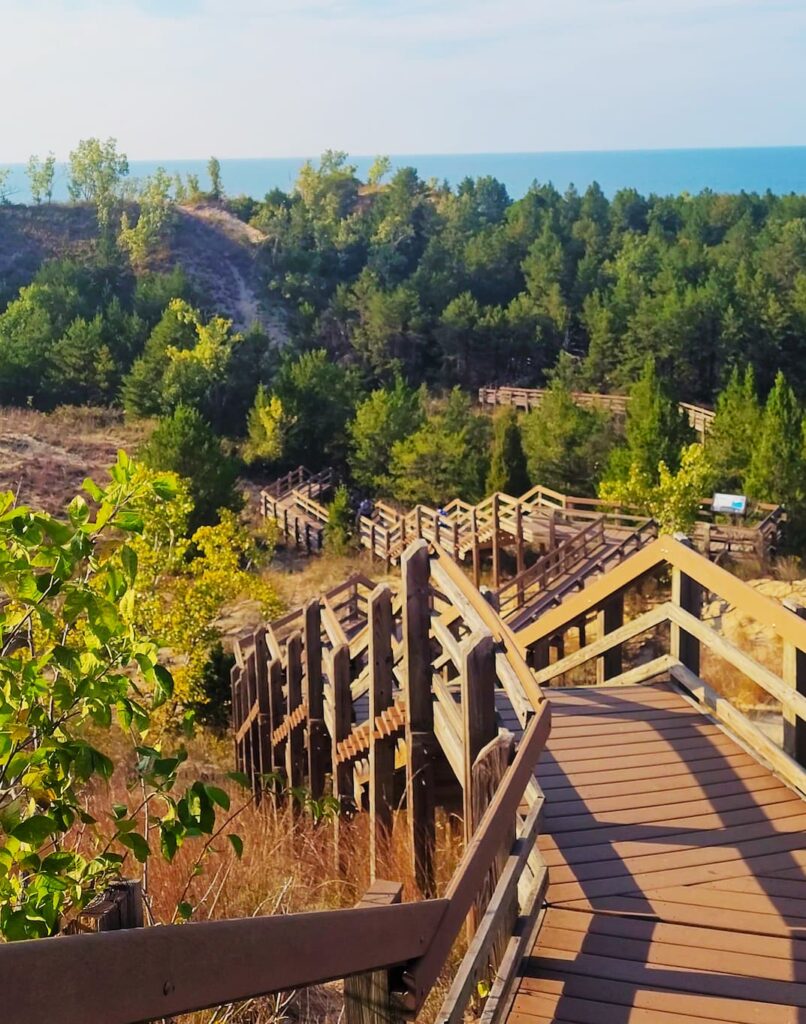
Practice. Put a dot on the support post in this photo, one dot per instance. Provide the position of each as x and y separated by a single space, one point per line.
367 997
295 744
263 720
479 728
609 618
794 673
478 711
381 748
315 699
519 550
687 594
276 704
342 770
552 529
235 690
496 543
474 526
420 715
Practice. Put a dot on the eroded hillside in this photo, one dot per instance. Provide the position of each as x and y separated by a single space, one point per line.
216 250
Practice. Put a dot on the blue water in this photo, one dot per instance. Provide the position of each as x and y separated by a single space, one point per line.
665 172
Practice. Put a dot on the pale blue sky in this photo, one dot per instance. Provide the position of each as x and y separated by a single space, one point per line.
183 78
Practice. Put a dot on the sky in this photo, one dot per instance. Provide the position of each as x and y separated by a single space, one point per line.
261 78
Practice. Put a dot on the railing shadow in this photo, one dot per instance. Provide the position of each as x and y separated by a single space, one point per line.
613 883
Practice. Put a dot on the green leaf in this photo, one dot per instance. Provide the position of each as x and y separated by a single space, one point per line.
184 911
128 558
240 778
137 844
218 796
237 844
130 522
163 685
35 830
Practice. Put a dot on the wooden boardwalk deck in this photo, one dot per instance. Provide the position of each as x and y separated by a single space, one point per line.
677 890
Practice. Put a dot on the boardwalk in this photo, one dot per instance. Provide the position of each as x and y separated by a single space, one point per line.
676 864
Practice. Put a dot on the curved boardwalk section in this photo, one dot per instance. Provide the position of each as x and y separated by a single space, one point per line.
676 871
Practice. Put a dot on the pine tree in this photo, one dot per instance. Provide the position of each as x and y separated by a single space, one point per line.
338 530
657 430
508 462
184 443
776 466
734 433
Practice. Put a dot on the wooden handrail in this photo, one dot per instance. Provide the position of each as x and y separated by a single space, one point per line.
477 859
152 973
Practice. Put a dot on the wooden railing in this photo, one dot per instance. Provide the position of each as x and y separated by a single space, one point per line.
557 562
700 417
440 654
694 580
292 503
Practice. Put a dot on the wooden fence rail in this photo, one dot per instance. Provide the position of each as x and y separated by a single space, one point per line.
700 417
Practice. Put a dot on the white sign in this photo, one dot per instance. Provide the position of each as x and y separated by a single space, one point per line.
732 504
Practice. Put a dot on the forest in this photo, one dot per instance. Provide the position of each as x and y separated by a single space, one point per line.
402 297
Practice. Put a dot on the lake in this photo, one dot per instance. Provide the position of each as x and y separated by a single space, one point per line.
665 172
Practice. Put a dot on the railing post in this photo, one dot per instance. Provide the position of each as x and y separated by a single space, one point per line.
479 729
235 690
295 744
519 550
342 769
456 540
119 907
367 997
794 674
381 748
276 711
478 712
420 714
609 618
418 520
496 544
687 594
263 721
372 541
474 526
315 699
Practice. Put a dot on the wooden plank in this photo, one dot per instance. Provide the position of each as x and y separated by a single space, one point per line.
381 749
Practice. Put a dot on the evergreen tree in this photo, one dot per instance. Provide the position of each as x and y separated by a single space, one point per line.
507 472
566 446
184 443
339 527
776 467
656 430
734 433
386 416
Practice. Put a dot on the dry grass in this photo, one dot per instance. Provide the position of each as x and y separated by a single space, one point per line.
288 866
44 457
